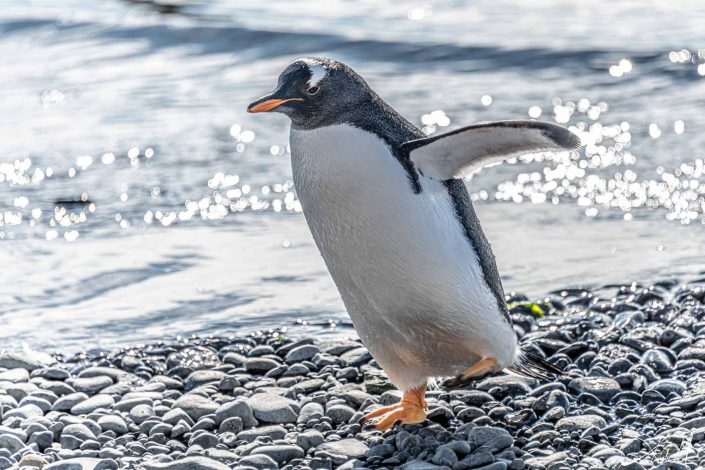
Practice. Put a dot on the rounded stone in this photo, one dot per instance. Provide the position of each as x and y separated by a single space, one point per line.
271 408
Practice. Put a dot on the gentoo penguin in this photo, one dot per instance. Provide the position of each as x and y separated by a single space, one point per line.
391 216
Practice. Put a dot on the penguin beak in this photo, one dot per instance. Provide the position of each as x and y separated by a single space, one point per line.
268 103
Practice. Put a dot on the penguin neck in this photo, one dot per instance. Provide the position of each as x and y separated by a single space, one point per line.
372 115
378 117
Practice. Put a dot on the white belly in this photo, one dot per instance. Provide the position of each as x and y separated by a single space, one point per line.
408 276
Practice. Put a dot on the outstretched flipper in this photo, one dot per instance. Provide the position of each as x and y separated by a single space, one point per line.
460 152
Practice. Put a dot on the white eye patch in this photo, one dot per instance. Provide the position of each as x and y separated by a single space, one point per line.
318 71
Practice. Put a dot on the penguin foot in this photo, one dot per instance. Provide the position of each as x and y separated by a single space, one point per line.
480 370
412 409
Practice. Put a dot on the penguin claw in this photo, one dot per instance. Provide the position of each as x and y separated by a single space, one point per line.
482 369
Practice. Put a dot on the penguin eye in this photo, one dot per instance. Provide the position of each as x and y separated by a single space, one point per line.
313 90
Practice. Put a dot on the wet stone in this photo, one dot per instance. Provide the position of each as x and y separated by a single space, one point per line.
260 365
601 387
302 353
580 423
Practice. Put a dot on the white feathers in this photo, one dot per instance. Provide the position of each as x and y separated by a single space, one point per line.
461 152
317 69
409 278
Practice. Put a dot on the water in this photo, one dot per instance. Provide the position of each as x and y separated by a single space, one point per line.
138 199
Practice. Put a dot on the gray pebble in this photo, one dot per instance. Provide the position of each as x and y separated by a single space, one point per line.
340 413
280 453
275 432
42 439
238 408
603 388
310 411
302 353
93 403
113 423
140 413
126 404
196 406
83 463
11 442
259 461
24 412
91 385
14 375
233 424
271 408
343 450
16 361
309 439
580 423
202 377
260 365
188 463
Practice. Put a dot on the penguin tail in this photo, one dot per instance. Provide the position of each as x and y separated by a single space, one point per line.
528 364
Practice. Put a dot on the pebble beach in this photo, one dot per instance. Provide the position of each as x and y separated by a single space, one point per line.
632 397
165 308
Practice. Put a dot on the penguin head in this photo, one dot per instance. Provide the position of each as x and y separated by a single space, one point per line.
315 92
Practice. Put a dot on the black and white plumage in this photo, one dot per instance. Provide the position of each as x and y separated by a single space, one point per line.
397 230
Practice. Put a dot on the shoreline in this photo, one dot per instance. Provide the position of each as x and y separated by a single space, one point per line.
632 397
233 279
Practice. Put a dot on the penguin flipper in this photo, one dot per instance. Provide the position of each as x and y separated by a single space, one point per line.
459 153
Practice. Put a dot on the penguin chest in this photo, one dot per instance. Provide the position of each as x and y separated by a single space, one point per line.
404 268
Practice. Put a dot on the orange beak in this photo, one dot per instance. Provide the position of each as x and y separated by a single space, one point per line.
267 104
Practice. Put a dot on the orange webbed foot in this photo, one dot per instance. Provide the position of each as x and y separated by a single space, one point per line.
412 409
